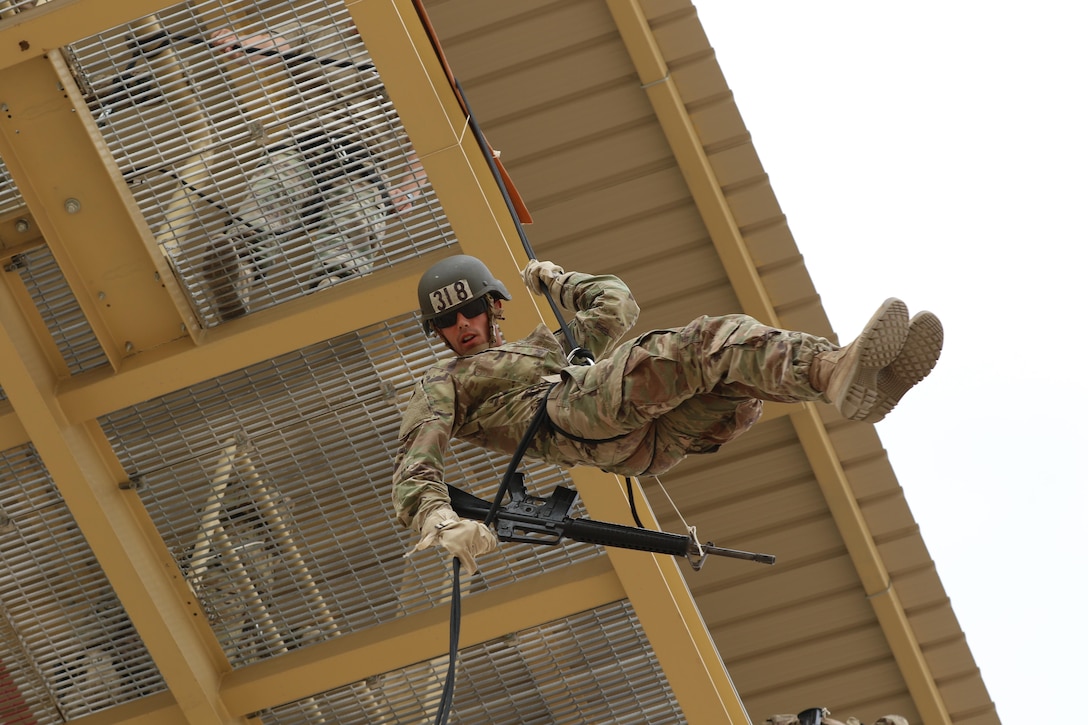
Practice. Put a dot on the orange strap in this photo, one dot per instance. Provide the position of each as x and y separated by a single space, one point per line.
519 204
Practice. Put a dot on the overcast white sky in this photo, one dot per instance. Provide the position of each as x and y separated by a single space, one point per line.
937 152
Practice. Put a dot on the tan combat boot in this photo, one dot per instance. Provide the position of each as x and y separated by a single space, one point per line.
849 377
925 338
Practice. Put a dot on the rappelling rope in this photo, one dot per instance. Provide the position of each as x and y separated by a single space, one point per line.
675 508
446 704
489 156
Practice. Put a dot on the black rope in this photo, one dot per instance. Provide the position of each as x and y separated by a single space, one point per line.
511 468
631 500
445 705
479 135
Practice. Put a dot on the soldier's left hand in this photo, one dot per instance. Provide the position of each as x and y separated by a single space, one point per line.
538 276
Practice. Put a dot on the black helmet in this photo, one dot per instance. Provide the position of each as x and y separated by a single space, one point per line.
453 283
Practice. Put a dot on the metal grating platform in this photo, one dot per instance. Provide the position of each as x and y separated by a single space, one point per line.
70 648
10 198
258 143
595 667
59 309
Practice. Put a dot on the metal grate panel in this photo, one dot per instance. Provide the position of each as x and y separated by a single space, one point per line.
258 142
595 667
271 486
10 8
73 644
60 310
10 198
24 696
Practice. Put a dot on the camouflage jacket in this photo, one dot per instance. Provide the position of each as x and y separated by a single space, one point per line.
490 398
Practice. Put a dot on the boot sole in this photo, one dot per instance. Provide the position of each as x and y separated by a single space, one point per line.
925 338
879 345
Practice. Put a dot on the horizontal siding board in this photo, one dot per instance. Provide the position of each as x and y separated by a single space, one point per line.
453 20
568 121
987 717
920 589
808 316
681 36
952 658
871 477
963 694
935 628
886 515
789 284
718 124
851 651
771 243
735 164
583 69
839 691
529 36
607 205
787 587
752 203
698 79
580 167
780 629
853 442
904 552
677 309
627 244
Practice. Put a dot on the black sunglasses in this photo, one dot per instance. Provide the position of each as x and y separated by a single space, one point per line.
448 319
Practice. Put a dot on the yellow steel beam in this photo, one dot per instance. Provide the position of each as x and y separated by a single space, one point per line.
139 568
666 610
18 231
12 432
411 72
420 637
83 215
879 587
346 307
60 22
157 709
706 190
22 298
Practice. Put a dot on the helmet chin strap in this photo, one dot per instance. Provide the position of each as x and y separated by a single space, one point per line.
493 316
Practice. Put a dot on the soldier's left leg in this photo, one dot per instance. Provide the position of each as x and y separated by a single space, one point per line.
733 356
701 424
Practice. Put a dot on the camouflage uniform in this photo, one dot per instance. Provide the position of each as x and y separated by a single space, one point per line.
640 410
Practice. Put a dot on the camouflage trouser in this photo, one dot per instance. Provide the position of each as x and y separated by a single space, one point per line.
669 393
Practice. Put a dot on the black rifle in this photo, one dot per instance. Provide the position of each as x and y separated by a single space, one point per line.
535 520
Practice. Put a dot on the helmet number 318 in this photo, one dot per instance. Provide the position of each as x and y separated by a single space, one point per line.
452 294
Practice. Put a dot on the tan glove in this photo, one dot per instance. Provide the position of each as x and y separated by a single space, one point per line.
539 276
462 538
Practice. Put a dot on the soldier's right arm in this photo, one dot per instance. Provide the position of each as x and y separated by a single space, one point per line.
418 473
605 309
